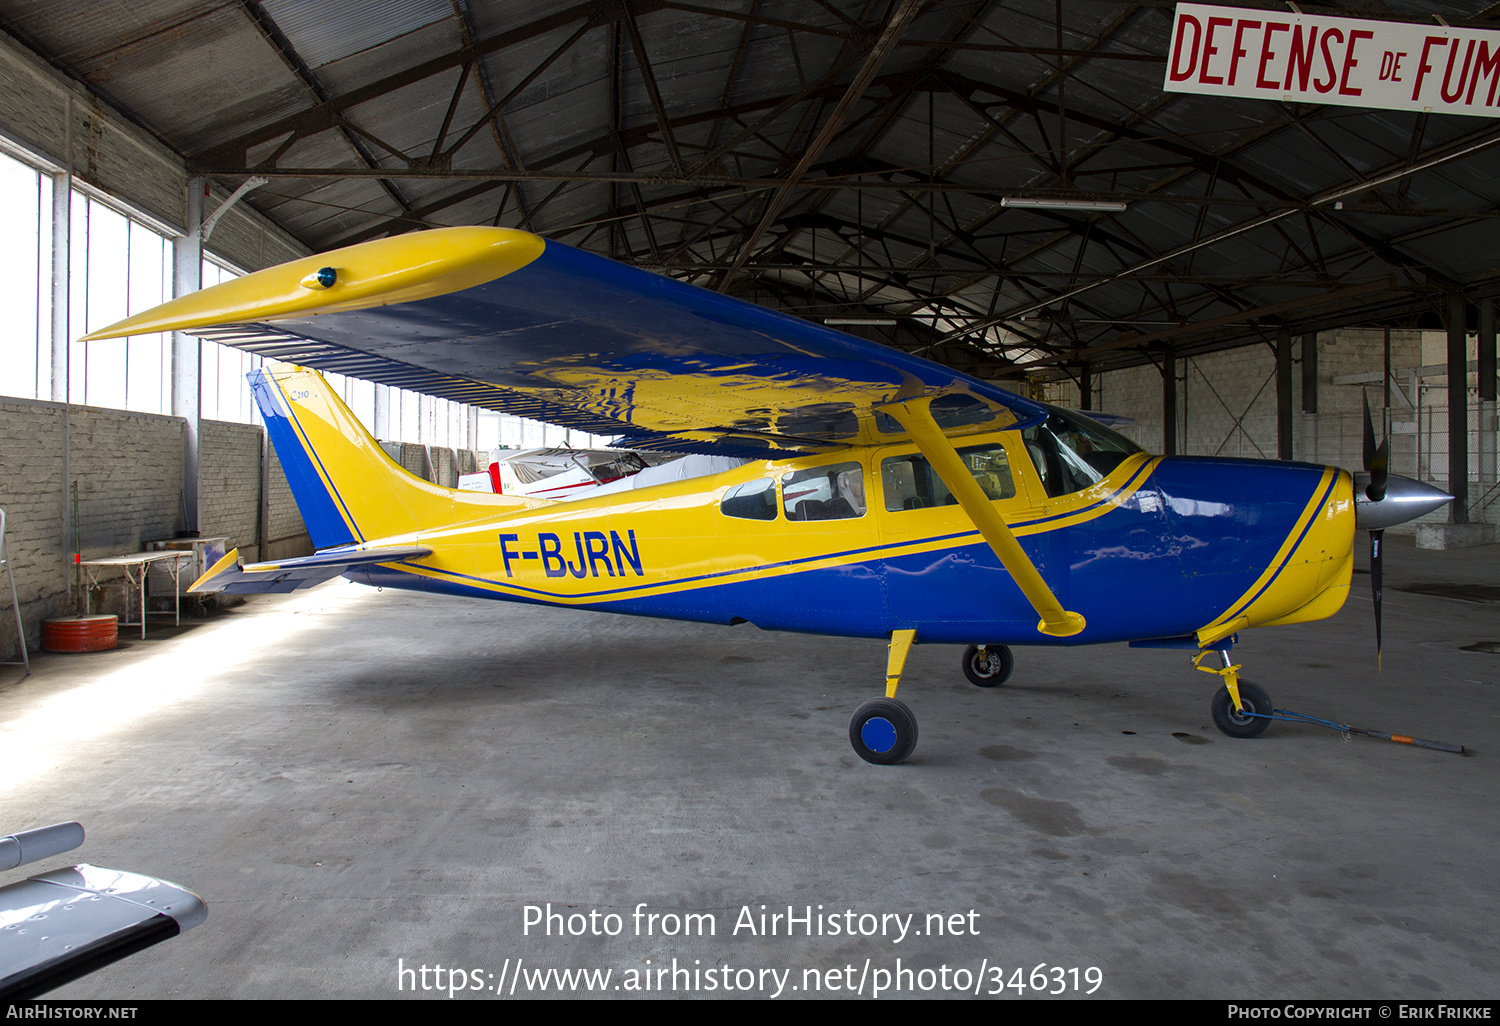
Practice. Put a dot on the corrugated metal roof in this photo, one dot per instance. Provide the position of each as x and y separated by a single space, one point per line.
326 85
323 31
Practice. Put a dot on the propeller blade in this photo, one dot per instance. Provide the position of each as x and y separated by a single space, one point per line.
1377 459
1378 467
1376 563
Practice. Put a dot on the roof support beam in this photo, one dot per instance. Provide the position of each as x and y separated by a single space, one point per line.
648 78
873 63
283 47
531 76
1446 155
498 130
324 115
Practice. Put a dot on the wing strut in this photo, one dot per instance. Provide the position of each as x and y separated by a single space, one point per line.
915 416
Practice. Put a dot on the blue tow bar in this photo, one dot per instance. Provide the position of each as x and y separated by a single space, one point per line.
1344 728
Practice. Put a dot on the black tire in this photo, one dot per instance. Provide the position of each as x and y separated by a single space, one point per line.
1231 721
883 731
988 668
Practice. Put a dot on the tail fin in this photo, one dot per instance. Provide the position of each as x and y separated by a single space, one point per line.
348 490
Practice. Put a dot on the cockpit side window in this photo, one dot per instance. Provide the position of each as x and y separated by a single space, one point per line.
909 482
1072 452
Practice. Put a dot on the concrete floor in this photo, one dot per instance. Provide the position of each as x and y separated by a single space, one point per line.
358 782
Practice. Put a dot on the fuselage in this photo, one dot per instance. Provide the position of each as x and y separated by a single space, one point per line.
1158 548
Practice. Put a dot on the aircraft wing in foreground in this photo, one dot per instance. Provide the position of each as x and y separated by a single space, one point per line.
58 926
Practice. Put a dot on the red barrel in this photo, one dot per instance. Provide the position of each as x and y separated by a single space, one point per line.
80 633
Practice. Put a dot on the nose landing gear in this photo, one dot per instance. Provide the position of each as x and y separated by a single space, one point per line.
1241 708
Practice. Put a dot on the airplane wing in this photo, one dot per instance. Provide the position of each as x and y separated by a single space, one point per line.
58 926
233 577
508 321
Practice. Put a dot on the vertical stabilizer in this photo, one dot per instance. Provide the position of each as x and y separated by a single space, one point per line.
348 490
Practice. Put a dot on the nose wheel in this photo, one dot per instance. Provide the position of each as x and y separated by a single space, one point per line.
1241 708
1247 721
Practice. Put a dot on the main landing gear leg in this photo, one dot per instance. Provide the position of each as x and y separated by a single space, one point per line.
1241 708
884 731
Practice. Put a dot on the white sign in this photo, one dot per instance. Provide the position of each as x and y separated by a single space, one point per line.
1270 55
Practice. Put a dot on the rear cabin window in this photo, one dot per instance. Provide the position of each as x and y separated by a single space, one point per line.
753 500
835 492
910 482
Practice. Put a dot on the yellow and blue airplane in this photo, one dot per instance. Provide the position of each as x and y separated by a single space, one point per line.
883 496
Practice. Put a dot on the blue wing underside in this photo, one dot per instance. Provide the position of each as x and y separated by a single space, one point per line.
583 342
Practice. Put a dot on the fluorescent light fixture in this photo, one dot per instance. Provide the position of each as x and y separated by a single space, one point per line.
1062 204
882 321
1033 319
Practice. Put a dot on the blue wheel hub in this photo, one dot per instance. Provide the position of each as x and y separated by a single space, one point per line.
878 734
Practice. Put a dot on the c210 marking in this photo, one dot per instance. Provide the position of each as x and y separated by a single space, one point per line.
591 549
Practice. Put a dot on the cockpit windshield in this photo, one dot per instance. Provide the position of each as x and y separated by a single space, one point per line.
1072 451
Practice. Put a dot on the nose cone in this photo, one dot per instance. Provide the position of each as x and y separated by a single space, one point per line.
1404 500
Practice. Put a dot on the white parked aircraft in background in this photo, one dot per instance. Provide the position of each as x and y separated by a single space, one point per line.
567 474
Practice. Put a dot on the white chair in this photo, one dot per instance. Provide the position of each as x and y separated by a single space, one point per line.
15 604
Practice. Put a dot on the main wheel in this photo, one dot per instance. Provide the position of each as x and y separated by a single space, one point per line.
989 667
883 731
1242 724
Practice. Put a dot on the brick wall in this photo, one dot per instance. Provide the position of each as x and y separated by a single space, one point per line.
128 471
1134 392
436 463
229 499
1226 402
286 535
32 495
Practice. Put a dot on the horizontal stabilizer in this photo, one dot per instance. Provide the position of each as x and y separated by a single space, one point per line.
61 925
232 577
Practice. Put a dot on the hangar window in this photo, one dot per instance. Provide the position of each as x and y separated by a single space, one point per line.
119 262
834 492
910 482
25 267
120 266
753 500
